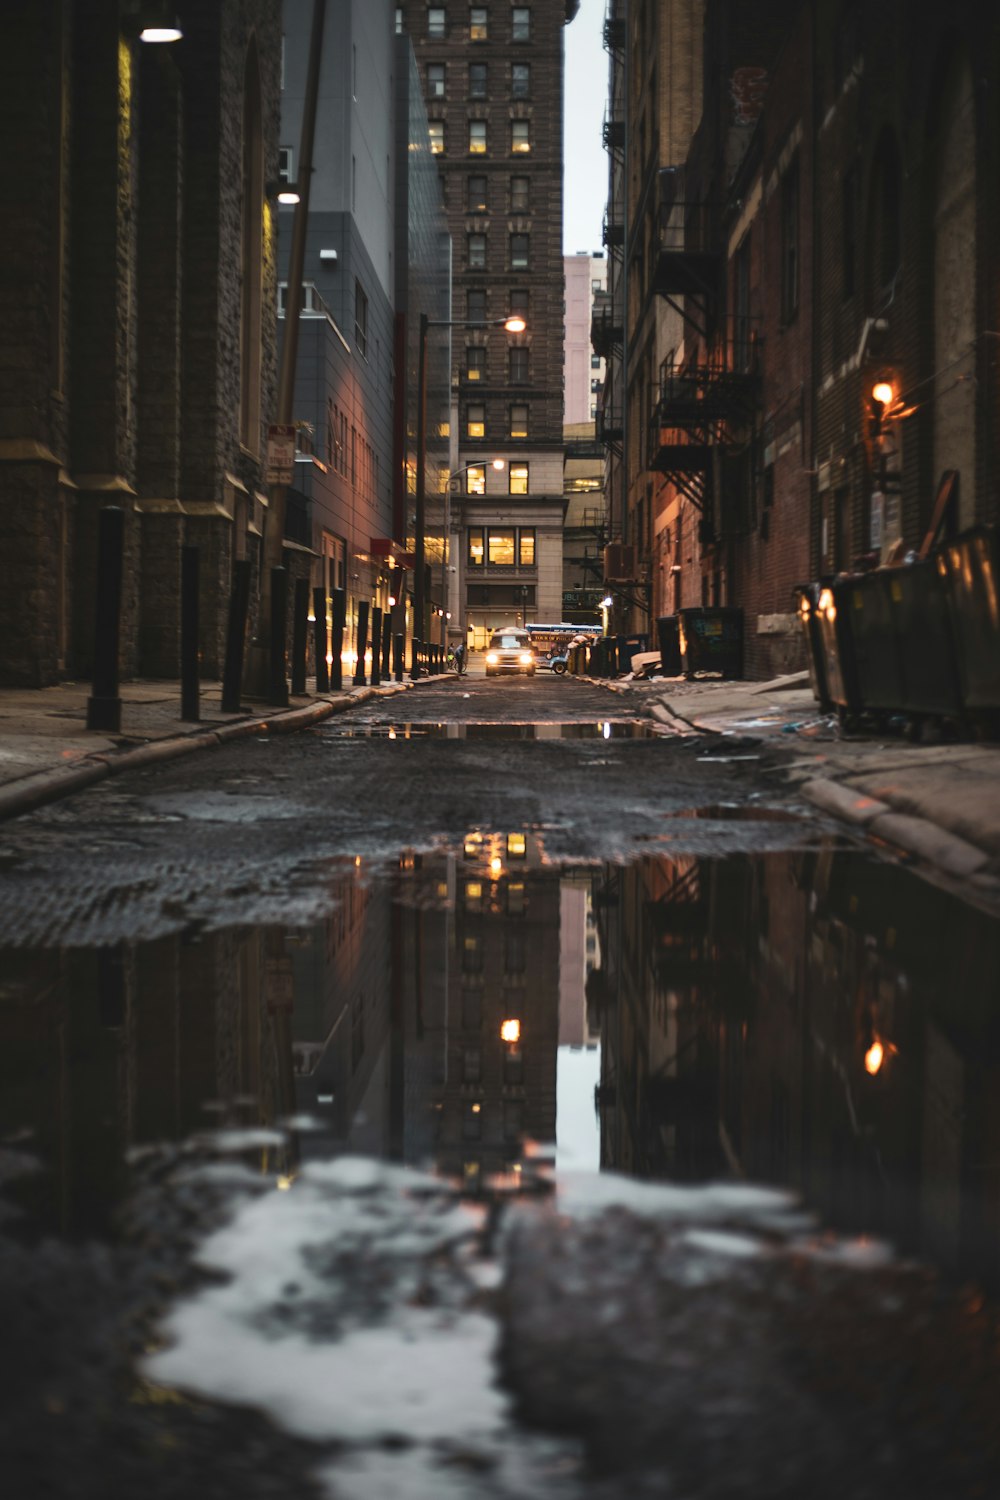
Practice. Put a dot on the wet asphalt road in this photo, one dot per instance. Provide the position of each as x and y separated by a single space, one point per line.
252 831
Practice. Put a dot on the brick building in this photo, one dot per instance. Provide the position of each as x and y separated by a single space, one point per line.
138 351
493 81
827 228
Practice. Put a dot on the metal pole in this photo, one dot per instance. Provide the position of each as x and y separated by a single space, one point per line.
339 620
418 538
319 632
300 634
376 646
236 629
278 688
359 670
190 693
104 706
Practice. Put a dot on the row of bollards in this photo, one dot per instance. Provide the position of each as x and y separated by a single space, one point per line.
104 706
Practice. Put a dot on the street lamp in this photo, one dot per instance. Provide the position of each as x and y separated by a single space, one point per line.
513 324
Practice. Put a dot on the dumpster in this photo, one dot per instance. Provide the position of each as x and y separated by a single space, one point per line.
838 651
867 598
969 569
668 639
924 640
628 645
711 640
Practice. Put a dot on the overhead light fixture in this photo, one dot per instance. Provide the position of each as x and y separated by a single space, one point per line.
153 22
286 193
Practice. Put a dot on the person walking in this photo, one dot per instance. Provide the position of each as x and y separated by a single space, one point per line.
460 658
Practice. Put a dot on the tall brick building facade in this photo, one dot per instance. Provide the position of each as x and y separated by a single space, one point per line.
136 323
828 226
493 81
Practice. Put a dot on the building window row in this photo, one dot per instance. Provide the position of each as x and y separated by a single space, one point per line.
518 363
478 22
520 137
475 420
475 251
518 201
477 80
517 479
501 546
517 304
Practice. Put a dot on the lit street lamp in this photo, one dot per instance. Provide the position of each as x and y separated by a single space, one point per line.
512 325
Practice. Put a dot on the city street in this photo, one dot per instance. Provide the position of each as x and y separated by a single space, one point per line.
505 932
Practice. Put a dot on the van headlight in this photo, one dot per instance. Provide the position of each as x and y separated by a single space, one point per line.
492 659
525 658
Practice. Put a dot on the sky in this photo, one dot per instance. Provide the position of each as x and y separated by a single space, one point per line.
585 176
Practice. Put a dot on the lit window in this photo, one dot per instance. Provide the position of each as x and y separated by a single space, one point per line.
520 30
473 894
520 200
519 479
436 22
435 80
477 137
475 421
517 845
477 252
519 365
472 955
477 24
477 80
436 129
520 137
515 898
475 364
520 80
477 195
519 421
501 547
526 550
519 244
477 556
475 484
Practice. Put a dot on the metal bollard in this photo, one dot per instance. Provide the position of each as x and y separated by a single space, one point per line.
359 670
190 687
376 645
414 658
339 620
104 706
320 642
300 634
236 632
386 645
278 684
398 644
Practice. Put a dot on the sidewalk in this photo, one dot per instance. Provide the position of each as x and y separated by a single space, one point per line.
937 802
47 752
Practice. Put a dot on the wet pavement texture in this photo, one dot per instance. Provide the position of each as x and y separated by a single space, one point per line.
309 1204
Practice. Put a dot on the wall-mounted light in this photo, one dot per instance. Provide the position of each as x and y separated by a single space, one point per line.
883 392
328 257
286 193
153 22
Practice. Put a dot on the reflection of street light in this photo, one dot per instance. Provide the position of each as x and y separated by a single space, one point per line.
512 325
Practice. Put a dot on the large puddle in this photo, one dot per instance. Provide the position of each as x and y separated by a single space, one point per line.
811 1018
603 729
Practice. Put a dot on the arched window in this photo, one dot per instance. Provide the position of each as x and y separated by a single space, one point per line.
252 254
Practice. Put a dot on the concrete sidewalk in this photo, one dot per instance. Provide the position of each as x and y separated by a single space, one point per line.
47 752
939 803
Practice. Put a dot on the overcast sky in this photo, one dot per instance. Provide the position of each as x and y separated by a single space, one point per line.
585 183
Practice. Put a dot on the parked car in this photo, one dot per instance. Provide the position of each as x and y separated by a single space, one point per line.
510 650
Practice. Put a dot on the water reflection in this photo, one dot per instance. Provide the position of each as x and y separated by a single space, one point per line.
811 1018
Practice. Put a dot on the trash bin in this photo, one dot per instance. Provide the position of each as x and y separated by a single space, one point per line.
628 645
876 653
668 639
969 568
838 651
712 641
807 606
924 641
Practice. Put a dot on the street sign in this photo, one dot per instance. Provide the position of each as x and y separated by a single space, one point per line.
280 453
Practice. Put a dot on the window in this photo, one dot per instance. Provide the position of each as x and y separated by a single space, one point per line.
790 242
519 252
475 305
741 304
501 547
472 1012
477 80
518 479
473 895
849 235
520 80
477 547
515 898
513 952
477 195
475 420
472 955
476 245
519 303
435 80
513 1119
477 24
475 479
360 319
436 129
475 364
519 421
472 1122
520 30
436 22
520 139
519 195
595 361
471 1064
286 164
526 546
399 25
519 365
477 137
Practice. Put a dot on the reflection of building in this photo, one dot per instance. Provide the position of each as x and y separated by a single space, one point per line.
796 1018
583 370
579 956
584 526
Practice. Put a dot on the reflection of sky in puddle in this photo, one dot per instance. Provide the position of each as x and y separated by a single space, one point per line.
606 729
